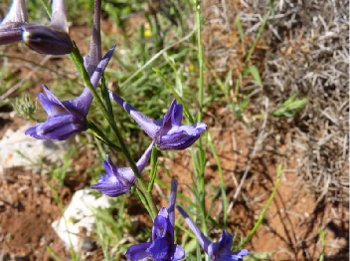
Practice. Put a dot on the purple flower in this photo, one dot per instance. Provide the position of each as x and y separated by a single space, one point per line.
52 39
162 247
217 251
168 132
68 117
118 181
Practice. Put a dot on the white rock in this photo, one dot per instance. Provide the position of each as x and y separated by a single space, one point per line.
79 216
20 150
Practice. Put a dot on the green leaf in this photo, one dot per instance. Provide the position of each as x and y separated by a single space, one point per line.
258 256
290 107
253 71
239 28
323 242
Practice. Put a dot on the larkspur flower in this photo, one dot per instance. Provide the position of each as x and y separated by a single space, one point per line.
168 132
118 181
51 39
68 117
217 251
162 247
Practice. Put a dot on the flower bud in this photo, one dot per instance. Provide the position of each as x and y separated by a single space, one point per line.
46 40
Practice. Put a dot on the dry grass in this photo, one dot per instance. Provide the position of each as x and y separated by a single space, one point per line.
303 51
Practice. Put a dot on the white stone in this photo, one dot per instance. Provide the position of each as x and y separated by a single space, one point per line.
20 150
79 216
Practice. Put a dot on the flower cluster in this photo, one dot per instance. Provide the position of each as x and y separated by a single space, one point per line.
67 118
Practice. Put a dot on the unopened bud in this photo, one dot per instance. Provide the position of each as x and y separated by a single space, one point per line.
46 40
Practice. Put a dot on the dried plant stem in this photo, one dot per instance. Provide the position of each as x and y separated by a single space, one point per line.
20 83
256 148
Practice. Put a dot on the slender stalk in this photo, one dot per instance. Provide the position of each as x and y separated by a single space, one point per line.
258 35
155 57
222 181
266 207
46 7
200 162
100 135
200 58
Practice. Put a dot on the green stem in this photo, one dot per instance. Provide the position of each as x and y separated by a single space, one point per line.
201 165
155 57
222 181
258 35
100 135
266 207
200 58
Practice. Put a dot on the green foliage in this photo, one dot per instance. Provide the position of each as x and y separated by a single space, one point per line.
253 70
119 10
255 256
111 228
323 243
25 106
289 107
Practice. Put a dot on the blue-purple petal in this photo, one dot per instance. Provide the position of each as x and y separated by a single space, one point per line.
159 249
119 180
203 241
49 106
181 137
161 225
179 253
172 200
138 251
167 119
56 128
110 185
83 102
229 256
